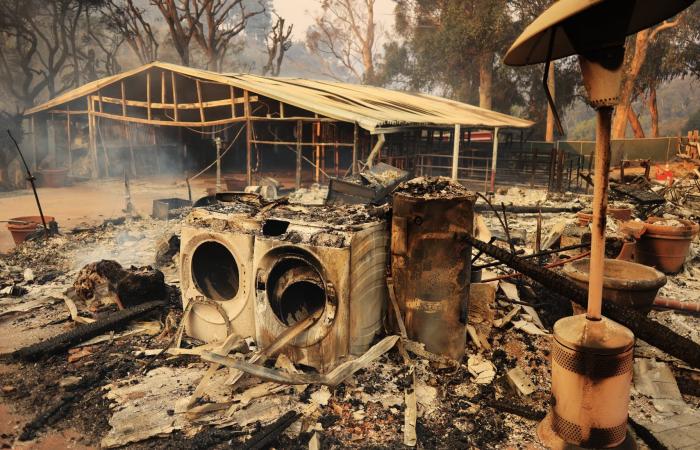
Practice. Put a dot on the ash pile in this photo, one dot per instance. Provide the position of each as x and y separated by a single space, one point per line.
419 322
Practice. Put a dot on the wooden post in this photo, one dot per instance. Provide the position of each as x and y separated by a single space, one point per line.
300 130
199 99
248 138
34 147
123 99
148 94
68 141
355 134
162 87
316 135
494 159
176 115
282 110
457 137
92 143
233 102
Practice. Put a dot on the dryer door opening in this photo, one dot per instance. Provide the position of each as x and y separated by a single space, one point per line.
215 271
295 290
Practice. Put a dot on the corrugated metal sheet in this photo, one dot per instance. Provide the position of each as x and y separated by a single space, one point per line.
372 108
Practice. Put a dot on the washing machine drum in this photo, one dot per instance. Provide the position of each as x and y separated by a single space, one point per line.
295 290
215 271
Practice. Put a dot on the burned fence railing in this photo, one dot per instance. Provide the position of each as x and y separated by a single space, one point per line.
532 166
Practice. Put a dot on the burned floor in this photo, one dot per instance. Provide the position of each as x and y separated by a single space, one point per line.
327 349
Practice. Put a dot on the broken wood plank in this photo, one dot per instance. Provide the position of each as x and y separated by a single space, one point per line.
282 340
333 378
66 340
519 381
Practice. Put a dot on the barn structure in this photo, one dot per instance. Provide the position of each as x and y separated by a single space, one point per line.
163 117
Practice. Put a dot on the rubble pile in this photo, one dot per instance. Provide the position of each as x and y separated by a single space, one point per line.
148 384
431 187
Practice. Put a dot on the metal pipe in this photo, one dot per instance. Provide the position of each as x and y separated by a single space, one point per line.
600 206
31 180
533 255
548 266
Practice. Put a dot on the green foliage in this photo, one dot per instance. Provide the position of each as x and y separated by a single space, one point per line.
440 45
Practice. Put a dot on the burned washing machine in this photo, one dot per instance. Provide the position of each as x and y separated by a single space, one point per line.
216 271
304 266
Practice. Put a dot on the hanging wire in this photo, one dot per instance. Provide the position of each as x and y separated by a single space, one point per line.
302 156
220 156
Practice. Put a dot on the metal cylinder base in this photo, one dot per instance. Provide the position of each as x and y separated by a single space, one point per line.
549 438
591 379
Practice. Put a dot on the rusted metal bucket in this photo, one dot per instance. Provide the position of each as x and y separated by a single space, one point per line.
431 268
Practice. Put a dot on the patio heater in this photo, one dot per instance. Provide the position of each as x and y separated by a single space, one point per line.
591 356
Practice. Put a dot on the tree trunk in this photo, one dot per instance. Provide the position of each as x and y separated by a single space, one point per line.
485 80
549 131
368 45
653 112
629 78
634 122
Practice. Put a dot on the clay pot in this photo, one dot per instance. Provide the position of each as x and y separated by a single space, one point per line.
53 177
625 283
584 218
234 184
665 247
20 231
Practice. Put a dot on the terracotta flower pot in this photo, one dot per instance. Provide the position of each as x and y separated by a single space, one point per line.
625 283
584 218
666 247
25 226
53 177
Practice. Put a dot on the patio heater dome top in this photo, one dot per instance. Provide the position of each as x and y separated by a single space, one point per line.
572 27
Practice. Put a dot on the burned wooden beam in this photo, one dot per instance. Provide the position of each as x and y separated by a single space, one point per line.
644 328
270 433
68 339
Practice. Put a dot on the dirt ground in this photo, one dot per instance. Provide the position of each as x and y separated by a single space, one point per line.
91 202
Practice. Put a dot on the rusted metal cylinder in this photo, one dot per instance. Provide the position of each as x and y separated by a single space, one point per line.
431 267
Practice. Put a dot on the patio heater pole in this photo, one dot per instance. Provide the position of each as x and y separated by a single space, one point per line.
600 207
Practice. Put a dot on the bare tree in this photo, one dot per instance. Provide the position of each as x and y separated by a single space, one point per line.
346 33
278 42
127 21
212 24
173 11
47 48
633 66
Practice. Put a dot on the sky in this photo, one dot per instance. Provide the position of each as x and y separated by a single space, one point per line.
302 12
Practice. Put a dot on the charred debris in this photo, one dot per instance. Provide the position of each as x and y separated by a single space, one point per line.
382 312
